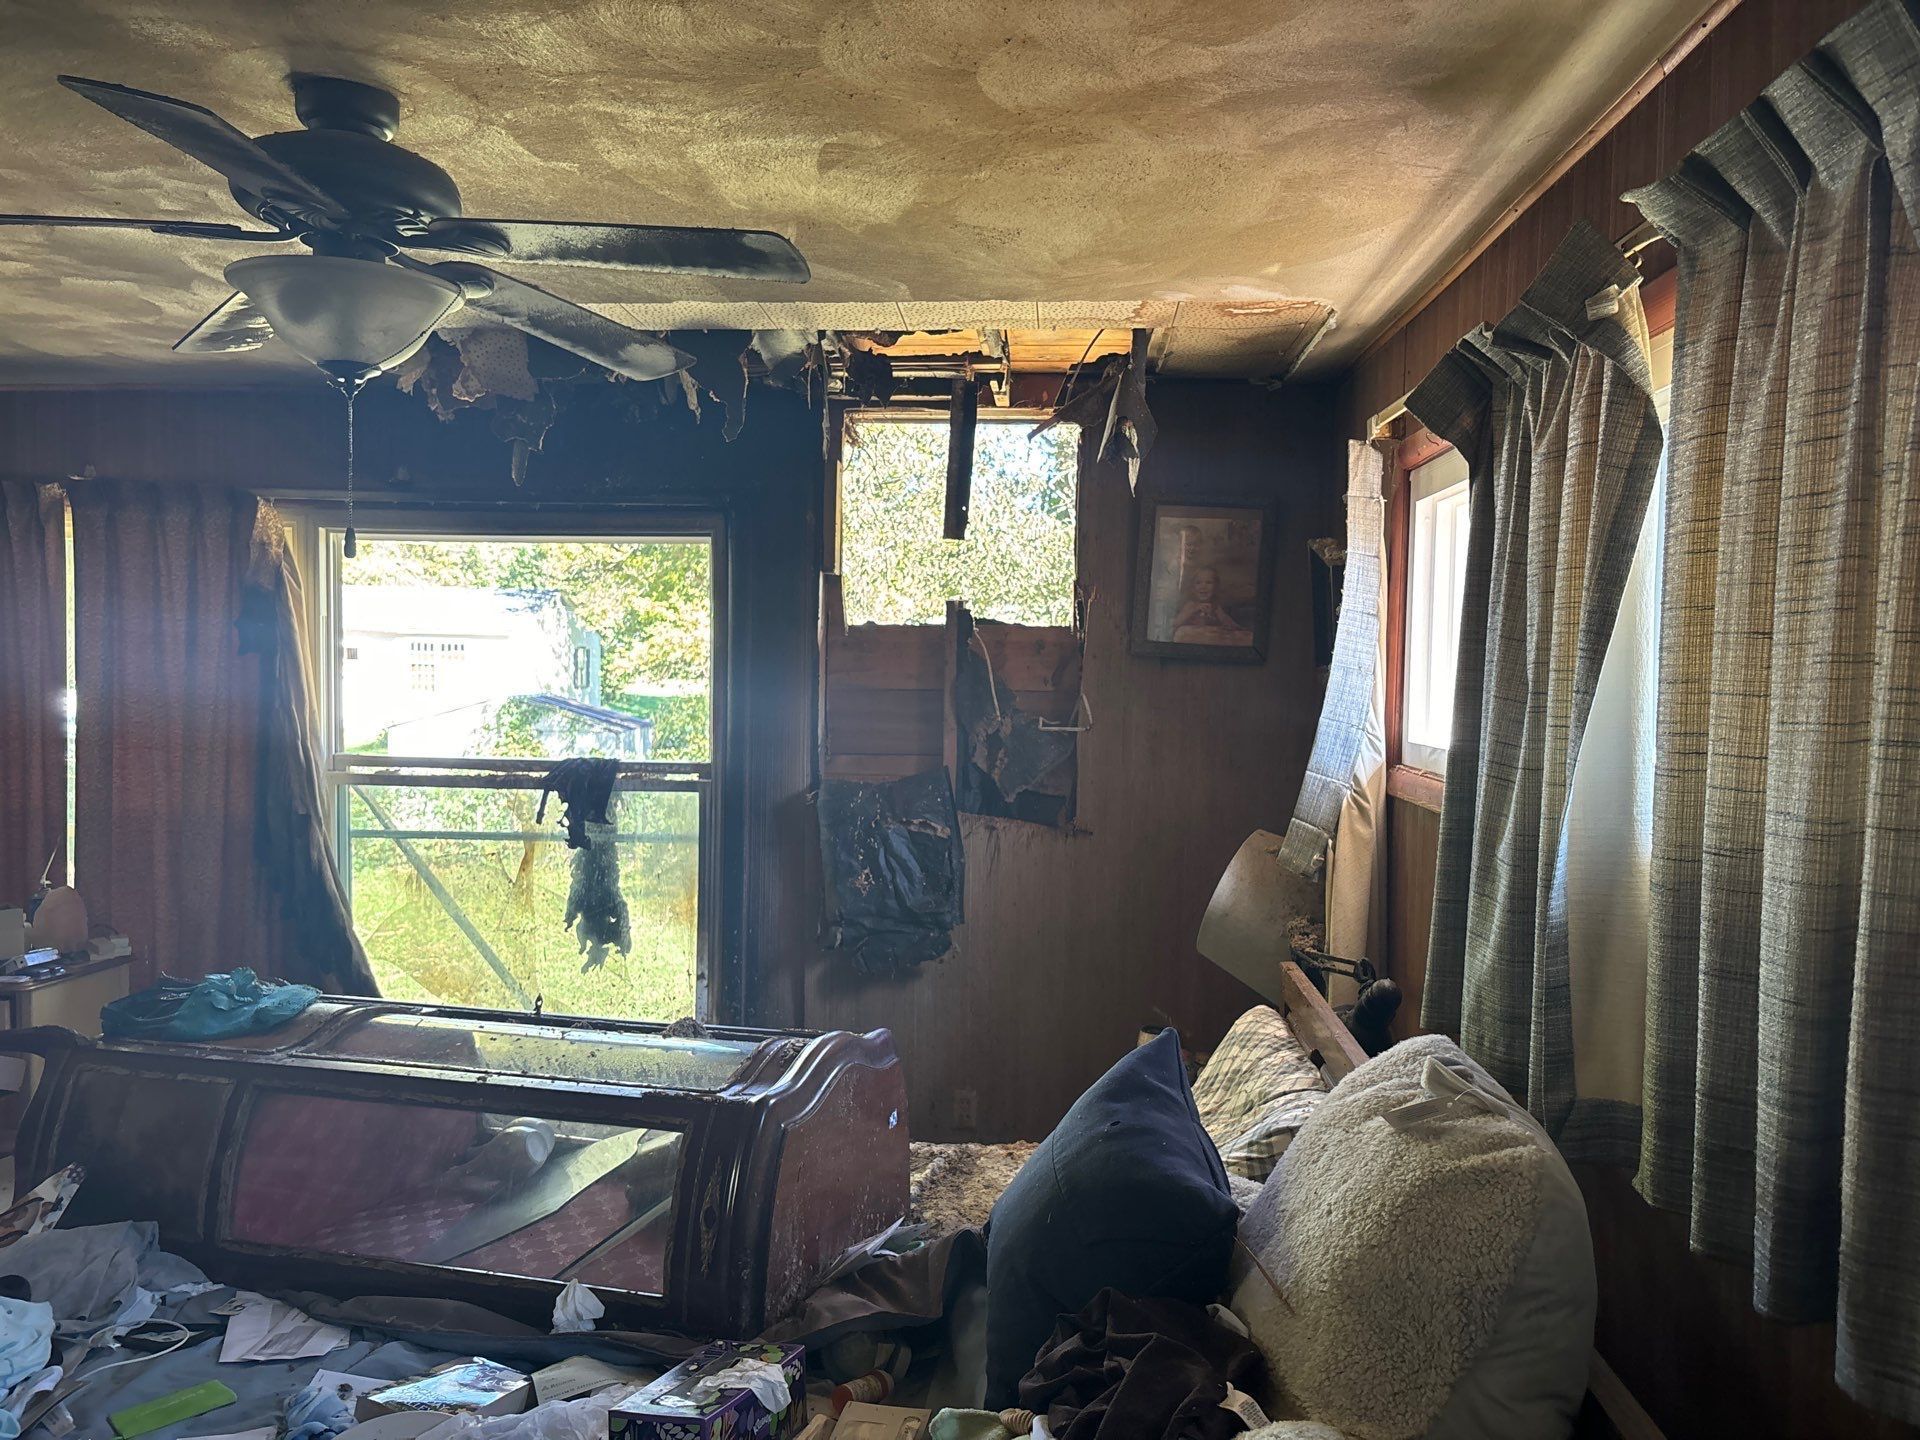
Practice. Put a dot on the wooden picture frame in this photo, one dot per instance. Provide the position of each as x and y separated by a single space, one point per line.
1203 579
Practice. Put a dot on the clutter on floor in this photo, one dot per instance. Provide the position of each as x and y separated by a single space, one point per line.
1412 1259
725 1392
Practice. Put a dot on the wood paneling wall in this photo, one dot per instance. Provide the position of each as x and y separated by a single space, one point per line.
1073 940
1679 1330
885 706
1721 76
1413 838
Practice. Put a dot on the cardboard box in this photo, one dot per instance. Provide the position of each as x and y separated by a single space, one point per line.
673 1407
465 1387
861 1421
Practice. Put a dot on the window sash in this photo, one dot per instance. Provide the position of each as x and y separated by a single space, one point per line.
1437 554
319 528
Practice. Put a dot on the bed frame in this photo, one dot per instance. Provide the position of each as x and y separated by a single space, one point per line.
1329 1043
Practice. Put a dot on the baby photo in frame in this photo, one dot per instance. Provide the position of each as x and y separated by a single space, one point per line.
1203 580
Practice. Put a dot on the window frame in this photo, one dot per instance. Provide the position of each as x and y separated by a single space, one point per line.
706 778
1418 754
833 531
1405 781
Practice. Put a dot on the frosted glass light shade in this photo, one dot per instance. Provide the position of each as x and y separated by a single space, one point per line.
352 318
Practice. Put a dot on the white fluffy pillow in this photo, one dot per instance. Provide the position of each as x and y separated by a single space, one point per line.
1428 1275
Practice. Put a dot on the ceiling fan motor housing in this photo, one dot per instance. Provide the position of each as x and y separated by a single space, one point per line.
387 190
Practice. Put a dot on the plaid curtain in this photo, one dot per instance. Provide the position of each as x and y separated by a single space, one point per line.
1334 833
1782 1089
1553 410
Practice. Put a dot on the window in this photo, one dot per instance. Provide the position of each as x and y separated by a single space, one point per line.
1437 556
468 666
1017 562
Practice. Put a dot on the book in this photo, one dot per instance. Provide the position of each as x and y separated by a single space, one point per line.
464 1387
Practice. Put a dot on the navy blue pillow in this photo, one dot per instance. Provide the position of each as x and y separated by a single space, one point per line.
1128 1192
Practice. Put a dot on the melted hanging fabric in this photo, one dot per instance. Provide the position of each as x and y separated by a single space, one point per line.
895 870
596 910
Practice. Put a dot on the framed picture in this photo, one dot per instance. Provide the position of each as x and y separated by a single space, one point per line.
1203 580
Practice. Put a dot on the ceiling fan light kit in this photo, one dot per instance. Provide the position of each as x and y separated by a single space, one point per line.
352 318
361 301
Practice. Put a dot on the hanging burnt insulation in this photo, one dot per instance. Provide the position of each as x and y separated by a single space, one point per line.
789 357
1115 399
1130 428
526 384
869 376
1013 762
719 370
895 870
596 910
963 422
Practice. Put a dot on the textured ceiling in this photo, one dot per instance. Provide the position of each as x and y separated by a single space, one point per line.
1209 168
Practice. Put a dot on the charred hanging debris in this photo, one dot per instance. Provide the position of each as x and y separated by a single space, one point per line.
895 870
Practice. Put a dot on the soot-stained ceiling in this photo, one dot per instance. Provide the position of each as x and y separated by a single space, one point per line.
1230 172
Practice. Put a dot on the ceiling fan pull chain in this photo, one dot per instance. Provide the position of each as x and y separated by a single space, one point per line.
350 543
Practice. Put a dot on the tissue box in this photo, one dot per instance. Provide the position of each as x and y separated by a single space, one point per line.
668 1409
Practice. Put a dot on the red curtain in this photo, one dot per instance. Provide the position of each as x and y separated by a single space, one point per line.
194 835
33 679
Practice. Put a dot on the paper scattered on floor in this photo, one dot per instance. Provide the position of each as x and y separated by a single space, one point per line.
263 1329
579 1375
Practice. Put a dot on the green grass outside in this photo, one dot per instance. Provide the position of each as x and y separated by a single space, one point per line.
514 893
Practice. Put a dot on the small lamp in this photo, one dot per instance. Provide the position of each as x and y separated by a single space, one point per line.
352 318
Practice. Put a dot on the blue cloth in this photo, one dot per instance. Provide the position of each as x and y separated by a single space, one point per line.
26 1340
1128 1193
216 1008
317 1411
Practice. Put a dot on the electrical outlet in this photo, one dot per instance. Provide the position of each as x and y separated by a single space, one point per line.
966 1110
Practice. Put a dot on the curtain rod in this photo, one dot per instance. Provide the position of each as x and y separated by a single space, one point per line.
1637 241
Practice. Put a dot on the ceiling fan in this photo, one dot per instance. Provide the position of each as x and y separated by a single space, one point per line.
362 301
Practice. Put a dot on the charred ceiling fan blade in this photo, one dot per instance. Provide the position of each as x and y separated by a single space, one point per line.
605 342
231 325
214 143
192 229
740 254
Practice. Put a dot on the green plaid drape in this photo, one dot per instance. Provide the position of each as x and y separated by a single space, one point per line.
1783 997
1554 412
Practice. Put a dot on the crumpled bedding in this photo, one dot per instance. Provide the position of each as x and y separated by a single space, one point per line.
953 1186
262 1387
99 1275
